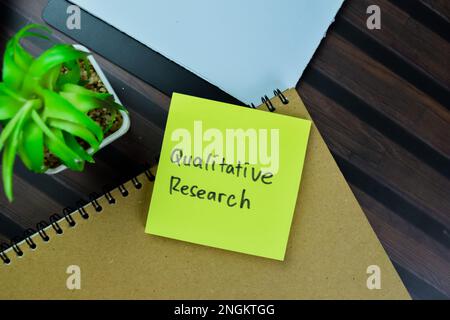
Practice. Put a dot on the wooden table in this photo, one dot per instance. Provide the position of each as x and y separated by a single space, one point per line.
380 99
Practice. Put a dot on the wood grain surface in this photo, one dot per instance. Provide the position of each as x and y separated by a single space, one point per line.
379 97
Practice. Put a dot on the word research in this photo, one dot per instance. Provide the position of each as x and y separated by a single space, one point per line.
254 146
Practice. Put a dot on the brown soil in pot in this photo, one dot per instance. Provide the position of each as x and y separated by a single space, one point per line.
102 115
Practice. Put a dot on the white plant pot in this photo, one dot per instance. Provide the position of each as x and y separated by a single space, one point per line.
126 119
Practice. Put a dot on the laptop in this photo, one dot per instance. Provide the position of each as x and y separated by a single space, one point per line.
229 50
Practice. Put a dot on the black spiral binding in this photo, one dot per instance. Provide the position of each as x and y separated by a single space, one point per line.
93 200
54 219
109 197
16 248
67 214
281 96
28 234
3 255
266 101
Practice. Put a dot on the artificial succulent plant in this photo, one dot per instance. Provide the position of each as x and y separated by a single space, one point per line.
43 108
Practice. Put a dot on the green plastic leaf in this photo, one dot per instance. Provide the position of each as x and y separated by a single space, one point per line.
14 122
73 74
86 100
17 60
46 62
8 107
50 79
87 66
82 103
4 90
86 103
73 88
13 75
25 31
57 55
58 147
75 130
22 58
9 128
57 107
32 146
72 143
9 154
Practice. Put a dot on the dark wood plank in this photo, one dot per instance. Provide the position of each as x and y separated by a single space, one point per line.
38 205
405 36
426 16
9 229
3 239
386 92
376 155
441 7
408 246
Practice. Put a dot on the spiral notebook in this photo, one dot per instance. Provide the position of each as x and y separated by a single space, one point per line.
332 250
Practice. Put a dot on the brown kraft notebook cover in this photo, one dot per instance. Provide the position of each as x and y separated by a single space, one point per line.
331 245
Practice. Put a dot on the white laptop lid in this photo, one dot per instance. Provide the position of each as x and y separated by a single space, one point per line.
247 48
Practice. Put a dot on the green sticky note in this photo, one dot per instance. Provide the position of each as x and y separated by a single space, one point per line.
228 177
